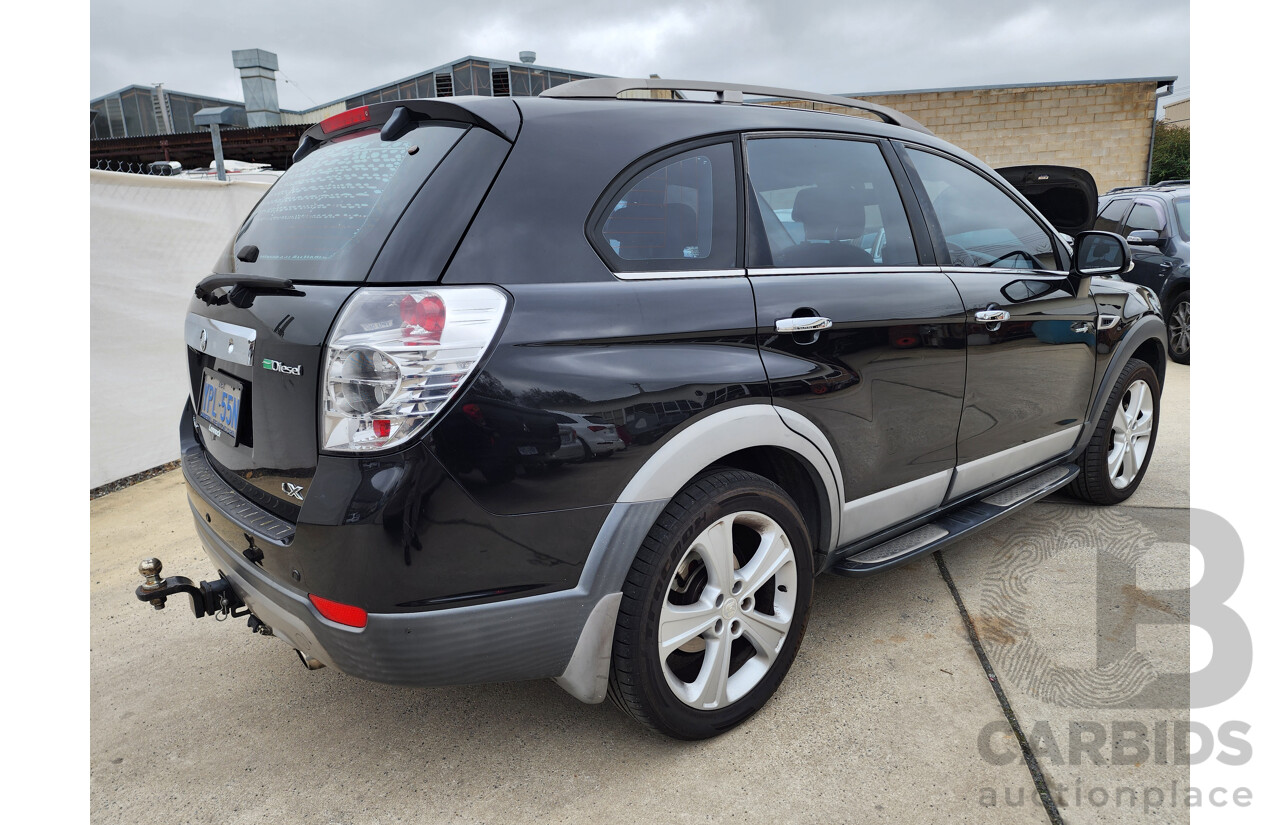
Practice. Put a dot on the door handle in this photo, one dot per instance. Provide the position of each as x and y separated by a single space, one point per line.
1082 327
801 325
992 316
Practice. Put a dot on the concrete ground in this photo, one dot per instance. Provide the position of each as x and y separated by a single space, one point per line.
888 715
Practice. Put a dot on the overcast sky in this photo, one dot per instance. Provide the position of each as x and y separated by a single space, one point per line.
330 50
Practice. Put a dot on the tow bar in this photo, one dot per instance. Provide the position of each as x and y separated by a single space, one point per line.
215 598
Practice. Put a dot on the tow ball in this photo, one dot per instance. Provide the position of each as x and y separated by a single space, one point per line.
215 598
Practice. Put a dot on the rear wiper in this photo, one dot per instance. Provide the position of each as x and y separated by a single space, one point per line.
205 289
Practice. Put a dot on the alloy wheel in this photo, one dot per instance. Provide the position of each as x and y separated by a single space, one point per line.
1180 328
728 610
1130 434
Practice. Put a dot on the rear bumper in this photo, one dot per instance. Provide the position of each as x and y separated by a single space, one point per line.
516 639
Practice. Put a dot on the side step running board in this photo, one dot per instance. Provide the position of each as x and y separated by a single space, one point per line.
957 523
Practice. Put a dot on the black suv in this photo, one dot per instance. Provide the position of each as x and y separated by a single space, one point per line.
1156 220
835 344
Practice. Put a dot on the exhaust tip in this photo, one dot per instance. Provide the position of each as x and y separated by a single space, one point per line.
309 662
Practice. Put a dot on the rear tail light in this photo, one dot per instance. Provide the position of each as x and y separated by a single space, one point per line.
597 429
396 356
347 614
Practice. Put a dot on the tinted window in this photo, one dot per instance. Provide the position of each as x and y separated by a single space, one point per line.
983 226
327 217
1182 208
1143 217
826 202
1110 217
679 214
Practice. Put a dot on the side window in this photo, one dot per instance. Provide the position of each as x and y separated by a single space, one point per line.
1110 217
983 226
826 202
679 214
1143 216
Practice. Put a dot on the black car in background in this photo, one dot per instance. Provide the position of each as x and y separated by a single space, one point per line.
1156 221
836 344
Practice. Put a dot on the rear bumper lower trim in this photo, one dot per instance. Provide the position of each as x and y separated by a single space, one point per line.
517 639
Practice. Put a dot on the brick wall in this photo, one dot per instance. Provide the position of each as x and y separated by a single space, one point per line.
1104 128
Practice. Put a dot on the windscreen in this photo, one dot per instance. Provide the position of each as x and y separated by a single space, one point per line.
327 217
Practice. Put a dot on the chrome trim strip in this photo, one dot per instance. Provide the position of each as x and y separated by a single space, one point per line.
802 324
837 270
698 273
990 469
227 342
1044 273
871 514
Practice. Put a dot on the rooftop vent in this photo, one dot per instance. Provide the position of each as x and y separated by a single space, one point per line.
528 57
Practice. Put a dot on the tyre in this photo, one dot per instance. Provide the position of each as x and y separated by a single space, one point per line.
1180 328
713 608
1117 456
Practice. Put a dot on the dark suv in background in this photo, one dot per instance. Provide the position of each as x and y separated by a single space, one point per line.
1156 221
835 344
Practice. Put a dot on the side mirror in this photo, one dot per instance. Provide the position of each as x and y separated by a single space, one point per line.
1144 237
1100 253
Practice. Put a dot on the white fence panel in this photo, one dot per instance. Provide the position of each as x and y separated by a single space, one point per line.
151 239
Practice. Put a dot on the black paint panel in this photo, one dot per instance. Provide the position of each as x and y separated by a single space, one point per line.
648 356
885 383
1030 376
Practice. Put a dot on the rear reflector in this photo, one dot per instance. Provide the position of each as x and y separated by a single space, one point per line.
344 119
341 613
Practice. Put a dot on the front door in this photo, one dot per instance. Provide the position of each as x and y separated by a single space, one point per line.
1030 333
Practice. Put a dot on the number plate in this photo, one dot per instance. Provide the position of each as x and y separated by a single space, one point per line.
528 450
220 401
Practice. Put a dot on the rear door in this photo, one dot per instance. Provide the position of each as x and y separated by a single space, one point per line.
1030 335
876 360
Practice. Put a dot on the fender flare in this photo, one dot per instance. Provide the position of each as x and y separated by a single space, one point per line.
1146 328
707 439
698 445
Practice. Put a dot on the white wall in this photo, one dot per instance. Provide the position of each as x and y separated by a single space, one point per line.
151 239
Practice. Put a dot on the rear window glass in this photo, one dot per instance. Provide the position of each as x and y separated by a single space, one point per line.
677 215
327 217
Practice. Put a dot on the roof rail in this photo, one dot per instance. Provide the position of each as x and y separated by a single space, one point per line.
608 88
1175 182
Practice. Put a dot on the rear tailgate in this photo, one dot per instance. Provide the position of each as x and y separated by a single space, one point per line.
256 350
1066 195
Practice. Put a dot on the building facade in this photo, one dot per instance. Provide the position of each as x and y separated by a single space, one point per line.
1104 126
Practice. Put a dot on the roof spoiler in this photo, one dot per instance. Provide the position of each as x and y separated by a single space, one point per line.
493 114
608 88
